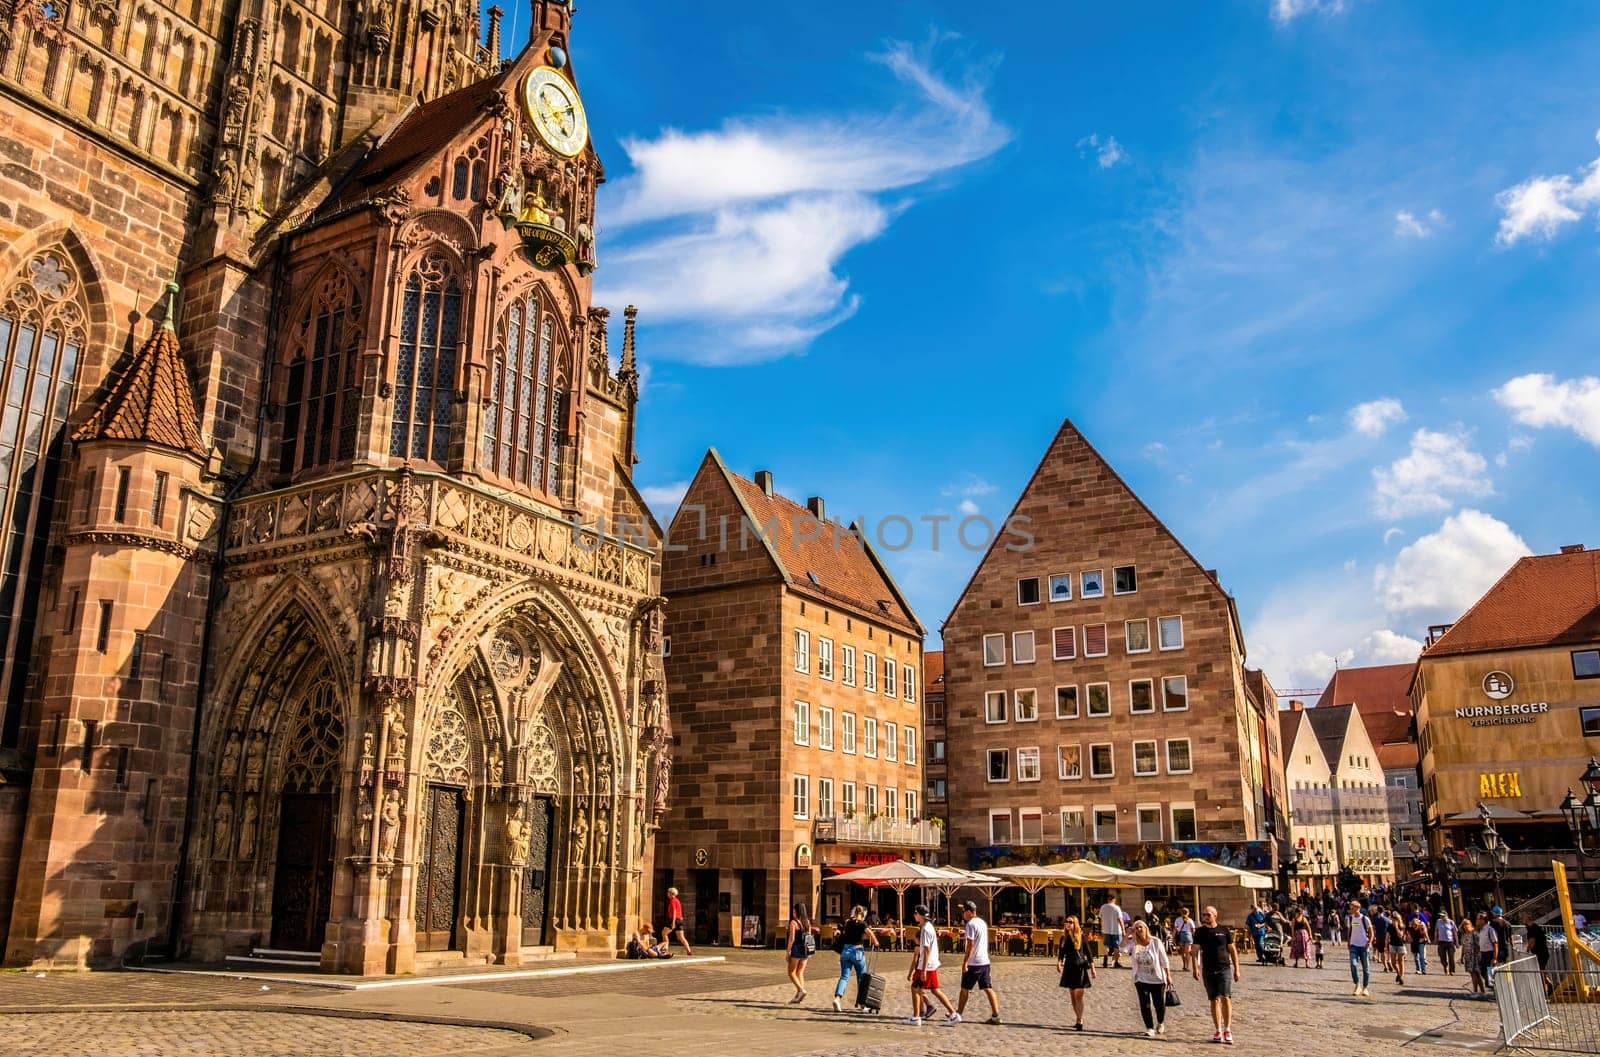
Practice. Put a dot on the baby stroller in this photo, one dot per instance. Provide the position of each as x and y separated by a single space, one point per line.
1271 948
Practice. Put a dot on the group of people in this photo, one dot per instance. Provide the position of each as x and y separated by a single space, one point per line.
647 943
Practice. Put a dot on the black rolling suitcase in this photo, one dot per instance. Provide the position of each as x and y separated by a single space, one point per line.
869 991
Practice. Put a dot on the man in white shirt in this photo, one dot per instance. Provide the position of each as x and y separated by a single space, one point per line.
975 965
924 971
1111 932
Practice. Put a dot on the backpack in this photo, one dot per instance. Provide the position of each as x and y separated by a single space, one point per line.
809 943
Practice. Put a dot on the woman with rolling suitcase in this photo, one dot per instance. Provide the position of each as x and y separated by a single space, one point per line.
853 938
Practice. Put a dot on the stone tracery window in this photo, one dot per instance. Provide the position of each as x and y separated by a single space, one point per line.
43 328
424 391
527 390
312 762
323 388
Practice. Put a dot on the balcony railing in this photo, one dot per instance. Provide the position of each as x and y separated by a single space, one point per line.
859 829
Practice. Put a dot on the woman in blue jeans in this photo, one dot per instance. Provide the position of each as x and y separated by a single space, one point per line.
853 954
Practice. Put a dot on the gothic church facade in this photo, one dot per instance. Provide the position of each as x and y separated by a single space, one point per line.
312 637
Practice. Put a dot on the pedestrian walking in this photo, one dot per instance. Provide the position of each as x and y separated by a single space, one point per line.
924 971
1398 939
853 939
1538 945
1417 934
1300 944
1183 930
1469 956
1152 976
802 945
1075 962
975 968
1444 934
1488 951
1359 927
1216 964
675 923
1111 932
1256 922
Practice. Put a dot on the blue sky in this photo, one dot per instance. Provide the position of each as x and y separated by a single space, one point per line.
1322 280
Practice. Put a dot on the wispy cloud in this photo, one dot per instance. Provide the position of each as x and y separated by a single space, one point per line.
1542 205
1438 467
1286 11
1106 150
1408 225
735 234
1539 400
1373 418
664 498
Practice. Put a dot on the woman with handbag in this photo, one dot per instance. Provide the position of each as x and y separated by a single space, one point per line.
802 945
1075 960
1152 979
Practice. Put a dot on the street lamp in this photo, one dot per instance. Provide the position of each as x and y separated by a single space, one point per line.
1583 817
1495 849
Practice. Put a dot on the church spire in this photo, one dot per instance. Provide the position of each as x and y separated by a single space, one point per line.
152 402
628 369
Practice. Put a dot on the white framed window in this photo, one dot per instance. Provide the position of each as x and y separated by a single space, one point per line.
1179 759
1175 693
908 682
1026 703
1099 695
872 799
1072 831
1145 762
869 671
888 677
1094 640
994 650
802 650
1064 643
994 706
802 796
1031 828
847 733
1171 633
824 727
1141 696
847 798
911 804
802 723
1028 591
999 765
911 745
891 802
1149 819
1066 702
1105 825
1092 584
1184 827
1000 827
1101 764
1069 762
824 797
891 742
1124 580
1061 587
824 658
847 665
1028 764
1022 647
869 737
1136 635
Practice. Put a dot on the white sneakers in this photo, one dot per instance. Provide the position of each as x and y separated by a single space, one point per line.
1150 1034
1161 1029
837 1007
915 1022
954 1018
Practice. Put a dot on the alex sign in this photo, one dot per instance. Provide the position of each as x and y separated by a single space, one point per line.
1499 784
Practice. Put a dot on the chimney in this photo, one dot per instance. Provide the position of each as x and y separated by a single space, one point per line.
1297 706
1572 548
764 482
818 511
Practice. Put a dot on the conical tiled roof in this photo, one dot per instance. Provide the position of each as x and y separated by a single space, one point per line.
152 402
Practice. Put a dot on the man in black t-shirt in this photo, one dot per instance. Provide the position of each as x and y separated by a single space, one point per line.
1218 966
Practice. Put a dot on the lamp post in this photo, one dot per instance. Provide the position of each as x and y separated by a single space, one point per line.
1494 849
1583 817
1320 861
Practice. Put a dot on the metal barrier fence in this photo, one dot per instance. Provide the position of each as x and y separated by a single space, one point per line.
1542 1011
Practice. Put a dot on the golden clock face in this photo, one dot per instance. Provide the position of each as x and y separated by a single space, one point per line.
556 111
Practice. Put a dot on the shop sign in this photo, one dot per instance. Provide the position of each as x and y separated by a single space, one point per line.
802 856
1503 715
702 857
1497 686
873 858
1499 784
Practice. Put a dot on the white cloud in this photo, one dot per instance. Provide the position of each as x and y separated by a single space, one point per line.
968 507
971 487
1375 416
1539 400
1408 224
1444 572
1391 532
1438 466
735 234
1286 11
1107 151
1390 647
1542 205
664 498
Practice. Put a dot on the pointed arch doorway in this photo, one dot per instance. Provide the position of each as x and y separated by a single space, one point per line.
444 814
302 886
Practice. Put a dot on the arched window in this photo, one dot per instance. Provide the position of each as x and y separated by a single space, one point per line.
424 385
522 427
43 326
322 394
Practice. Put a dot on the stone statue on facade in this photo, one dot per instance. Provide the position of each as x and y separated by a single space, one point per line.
222 834
391 824
247 828
255 762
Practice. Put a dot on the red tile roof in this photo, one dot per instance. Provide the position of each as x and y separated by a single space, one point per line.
820 559
152 401
1542 600
1382 694
933 672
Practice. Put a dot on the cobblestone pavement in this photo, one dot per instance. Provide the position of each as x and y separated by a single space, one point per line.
738 1008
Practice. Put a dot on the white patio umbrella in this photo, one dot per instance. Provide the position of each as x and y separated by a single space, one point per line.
1084 874
960 879
899 875
1198 873
1031 878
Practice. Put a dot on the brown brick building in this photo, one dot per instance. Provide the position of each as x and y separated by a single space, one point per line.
795 674
301 648
935 754
1097 699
